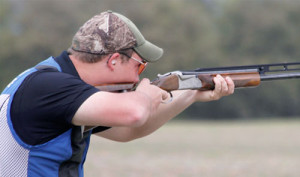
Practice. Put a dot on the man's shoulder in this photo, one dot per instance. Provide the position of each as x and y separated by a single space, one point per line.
48 78
45 104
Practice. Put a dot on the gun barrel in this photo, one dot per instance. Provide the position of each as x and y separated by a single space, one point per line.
262 68
268 77
219 72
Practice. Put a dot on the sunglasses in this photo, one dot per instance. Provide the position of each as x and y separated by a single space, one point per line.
142 65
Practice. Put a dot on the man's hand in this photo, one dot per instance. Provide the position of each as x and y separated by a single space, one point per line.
154 93
223 87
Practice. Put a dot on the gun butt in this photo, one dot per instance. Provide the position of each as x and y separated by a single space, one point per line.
116 87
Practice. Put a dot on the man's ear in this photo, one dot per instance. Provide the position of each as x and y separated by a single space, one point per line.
112 61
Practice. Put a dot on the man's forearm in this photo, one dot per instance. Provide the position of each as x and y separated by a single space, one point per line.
181 100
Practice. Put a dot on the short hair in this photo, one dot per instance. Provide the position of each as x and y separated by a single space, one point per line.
85 57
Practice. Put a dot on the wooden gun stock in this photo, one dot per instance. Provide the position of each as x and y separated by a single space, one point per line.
168 83
116 87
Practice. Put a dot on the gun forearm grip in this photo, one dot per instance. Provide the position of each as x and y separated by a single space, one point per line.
247 79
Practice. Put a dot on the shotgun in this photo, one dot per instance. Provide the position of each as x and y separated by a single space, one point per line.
202 78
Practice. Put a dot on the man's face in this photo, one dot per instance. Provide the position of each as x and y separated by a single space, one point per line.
131 69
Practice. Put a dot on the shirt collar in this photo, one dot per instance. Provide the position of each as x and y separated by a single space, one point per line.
66 64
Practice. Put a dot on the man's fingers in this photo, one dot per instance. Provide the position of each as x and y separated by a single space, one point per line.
165 95
145 81
224 87
230 84
218 84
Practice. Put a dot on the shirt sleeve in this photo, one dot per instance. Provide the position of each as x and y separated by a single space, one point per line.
45 103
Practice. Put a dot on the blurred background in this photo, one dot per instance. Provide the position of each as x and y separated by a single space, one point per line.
193 33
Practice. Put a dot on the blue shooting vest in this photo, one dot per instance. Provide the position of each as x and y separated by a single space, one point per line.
62 156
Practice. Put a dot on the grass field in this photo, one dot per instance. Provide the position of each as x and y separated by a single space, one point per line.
202 149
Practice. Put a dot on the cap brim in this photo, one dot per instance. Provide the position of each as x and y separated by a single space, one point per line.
149 51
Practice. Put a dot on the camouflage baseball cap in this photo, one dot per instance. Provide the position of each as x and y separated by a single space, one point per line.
111 32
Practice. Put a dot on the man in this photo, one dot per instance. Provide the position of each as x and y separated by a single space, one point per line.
49 111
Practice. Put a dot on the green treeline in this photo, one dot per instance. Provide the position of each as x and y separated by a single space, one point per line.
193 33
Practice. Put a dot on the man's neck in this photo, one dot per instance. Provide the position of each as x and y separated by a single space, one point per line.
91 73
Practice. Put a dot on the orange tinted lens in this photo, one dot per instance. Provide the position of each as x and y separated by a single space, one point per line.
142 67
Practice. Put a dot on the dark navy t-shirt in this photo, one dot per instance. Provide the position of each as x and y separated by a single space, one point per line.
45 103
